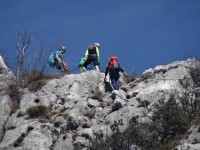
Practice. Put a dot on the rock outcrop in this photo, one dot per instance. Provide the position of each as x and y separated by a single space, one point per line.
80 107
6 78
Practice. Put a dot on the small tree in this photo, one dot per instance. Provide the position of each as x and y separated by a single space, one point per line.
171 118
194 71
190 90
23 42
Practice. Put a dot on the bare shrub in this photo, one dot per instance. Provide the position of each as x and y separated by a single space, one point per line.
11 128
30 55
23 41
36 85
19 140
34 75
38 111
15 95
35 79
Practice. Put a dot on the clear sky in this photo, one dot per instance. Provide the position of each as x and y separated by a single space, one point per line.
141 33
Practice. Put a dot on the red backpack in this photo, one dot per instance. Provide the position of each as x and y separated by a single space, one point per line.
113 63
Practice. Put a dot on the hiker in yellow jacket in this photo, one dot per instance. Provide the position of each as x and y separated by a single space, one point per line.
92 56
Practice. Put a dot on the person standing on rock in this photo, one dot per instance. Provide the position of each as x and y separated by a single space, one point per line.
92 56
114 68
56 60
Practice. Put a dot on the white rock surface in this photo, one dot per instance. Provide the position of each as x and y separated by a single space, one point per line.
88 110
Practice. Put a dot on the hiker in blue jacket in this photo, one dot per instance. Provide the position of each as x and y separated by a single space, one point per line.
56 60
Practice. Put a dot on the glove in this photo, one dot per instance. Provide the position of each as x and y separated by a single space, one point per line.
105 79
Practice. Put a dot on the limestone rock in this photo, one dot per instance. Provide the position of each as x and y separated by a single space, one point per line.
83 108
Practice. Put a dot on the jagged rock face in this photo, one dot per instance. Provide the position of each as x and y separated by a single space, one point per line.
2 64
6 78
6 75
192 141
82 108
73 89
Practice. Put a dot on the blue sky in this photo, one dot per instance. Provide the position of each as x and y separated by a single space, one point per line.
141 33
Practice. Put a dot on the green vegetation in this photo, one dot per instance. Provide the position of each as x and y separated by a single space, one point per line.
168 126
171 118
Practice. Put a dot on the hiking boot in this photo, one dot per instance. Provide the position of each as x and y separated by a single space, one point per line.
113 94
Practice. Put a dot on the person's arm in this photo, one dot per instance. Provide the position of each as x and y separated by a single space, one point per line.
81 61
58 59
86 55
65 65
97 51
106 73
122 70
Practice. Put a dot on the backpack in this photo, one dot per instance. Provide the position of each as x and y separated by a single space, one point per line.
113 63
51 60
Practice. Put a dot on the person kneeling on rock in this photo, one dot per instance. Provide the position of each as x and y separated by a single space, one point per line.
56 60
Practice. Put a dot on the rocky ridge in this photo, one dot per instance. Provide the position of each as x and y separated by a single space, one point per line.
82 106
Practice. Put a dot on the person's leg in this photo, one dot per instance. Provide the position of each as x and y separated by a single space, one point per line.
97 68
96 64
87 62
80 67
84 69
114 83
63 69
59 66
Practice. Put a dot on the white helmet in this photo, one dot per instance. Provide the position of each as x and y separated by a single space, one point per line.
63 48
97 44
